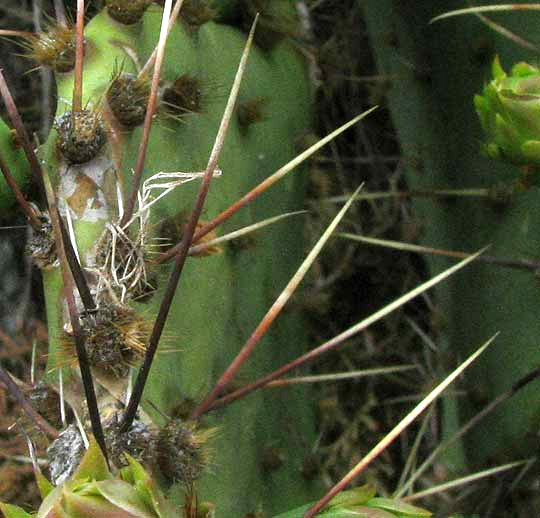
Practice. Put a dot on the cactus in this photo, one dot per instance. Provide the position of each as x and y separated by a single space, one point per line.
109 300
208 323
440 67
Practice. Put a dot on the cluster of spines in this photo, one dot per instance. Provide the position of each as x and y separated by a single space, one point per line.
184 95
40 245
53 48
176 437
113 334
81 135
115 339
178 451
172 228
127 97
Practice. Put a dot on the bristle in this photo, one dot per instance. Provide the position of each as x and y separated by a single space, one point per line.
128 97
24 205
195 13
54 48
184 95
81 135
18 395
180 452
250 112
127 12
41 246
124 267
146 288
135 331
171 230
182 410
272 458
115 339
134 442
76 104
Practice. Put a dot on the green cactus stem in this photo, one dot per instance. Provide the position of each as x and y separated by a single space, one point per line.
89 156
440 136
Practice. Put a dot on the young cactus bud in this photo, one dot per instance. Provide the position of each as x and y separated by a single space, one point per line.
509 111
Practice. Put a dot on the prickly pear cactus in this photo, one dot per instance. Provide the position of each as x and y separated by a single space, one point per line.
89 157
434 72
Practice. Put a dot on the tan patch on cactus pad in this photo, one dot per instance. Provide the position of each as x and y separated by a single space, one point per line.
89 190
85 192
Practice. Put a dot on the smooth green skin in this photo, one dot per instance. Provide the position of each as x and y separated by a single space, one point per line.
222 298
438 129
14 159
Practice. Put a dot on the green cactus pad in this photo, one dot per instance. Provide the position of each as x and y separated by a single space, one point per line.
439 131
221 298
